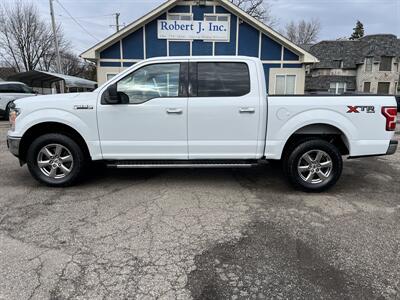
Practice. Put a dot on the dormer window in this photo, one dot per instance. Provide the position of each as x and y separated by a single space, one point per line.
180 17
216 17
368 64
386 64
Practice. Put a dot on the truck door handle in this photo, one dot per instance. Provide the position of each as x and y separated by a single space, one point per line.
177 111
247 110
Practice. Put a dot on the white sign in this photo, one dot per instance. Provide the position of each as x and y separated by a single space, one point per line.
194 30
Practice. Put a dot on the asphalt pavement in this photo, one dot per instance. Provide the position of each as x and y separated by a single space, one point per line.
200 234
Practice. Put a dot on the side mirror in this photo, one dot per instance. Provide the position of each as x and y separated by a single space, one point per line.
110 96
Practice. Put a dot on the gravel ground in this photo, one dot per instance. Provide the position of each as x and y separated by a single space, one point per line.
201 234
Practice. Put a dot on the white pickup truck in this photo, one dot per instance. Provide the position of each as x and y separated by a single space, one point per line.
198 112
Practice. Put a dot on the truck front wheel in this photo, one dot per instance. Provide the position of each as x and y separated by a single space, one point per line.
55 160
313 166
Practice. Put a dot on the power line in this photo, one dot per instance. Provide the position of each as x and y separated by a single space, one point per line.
86 17
76 22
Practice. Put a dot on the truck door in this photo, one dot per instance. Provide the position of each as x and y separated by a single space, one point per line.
224 110
151 121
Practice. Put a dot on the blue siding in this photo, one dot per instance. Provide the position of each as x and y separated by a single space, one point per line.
110 64
199 11
180 9
270 50
202 48
289 55
132 45
112 52
248 40
179 48
221 10
267 67
154 46
128 64
228 48
295 66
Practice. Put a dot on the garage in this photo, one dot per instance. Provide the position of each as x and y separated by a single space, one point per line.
198 28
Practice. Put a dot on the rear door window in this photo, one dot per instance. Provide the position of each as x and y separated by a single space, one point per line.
222 79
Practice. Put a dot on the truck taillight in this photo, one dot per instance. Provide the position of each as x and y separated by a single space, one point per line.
390 113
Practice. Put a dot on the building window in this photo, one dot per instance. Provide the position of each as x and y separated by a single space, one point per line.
285 84
180 17
368 64
383 88
216 17
338 88
224 79
367 87
110 76
386 63
396 88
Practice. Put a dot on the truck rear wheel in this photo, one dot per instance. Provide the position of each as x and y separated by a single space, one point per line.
55 160
313 166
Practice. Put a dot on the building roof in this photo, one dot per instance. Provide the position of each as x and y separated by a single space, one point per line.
44 79
352 53
92 53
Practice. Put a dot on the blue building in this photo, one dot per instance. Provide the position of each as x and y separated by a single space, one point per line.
192 28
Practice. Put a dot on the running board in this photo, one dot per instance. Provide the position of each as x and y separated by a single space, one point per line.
180 164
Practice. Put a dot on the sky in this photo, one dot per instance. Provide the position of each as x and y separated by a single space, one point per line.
337 17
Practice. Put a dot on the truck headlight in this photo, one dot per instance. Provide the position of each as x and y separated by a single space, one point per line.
14 113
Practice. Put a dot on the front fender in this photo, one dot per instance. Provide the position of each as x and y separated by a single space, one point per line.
85 125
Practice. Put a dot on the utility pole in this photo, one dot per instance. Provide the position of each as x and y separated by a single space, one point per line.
117 21
53 23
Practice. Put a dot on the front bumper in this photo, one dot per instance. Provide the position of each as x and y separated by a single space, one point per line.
13 145
392 147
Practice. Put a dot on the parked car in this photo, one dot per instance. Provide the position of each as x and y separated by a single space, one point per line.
10 91
198 112
398 103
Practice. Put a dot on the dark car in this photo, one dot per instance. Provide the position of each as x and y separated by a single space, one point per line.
398 103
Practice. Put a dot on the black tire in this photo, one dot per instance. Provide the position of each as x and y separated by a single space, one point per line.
51 140
313 175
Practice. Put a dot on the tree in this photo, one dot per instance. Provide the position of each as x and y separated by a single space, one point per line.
259 9
303 32
358 31
26 41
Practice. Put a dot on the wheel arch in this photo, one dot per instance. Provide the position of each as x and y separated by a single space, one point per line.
324 131
51 127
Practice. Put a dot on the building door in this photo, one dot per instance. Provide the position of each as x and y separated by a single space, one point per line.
224 110
151 121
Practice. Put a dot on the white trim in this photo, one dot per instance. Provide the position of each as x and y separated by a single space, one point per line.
237 35
259 44
121 51
144 42
282 55
167 47
306 57
279 62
